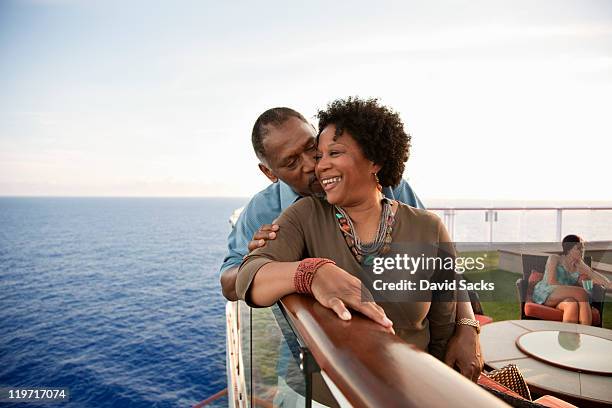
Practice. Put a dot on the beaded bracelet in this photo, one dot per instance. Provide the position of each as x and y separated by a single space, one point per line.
304 274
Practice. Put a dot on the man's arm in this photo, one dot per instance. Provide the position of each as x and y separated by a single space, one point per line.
229 268
228 275
463 348
251 231
238 244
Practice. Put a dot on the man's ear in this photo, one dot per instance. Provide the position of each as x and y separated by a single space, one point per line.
268 173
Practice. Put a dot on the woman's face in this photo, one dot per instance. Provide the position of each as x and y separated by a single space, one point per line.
577 252
342 169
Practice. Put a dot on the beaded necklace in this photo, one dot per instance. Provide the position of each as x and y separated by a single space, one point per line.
365 252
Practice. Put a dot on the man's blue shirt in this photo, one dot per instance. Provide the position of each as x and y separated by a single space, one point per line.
268 204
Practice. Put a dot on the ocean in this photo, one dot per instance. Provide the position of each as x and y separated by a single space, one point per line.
118 299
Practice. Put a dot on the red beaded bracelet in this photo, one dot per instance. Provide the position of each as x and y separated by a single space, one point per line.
304 274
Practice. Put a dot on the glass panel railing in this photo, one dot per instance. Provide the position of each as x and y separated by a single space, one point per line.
507 226
538 225
515 224
292 383
278 376
270 360
244 352
470 226
592 225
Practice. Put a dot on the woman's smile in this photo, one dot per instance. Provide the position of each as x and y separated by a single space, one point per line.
329 183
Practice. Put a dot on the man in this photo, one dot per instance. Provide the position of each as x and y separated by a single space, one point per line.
285 144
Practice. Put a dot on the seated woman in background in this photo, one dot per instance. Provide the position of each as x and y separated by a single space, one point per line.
560 286
326 243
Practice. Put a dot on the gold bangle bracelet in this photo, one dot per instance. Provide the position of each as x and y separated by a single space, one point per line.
469 322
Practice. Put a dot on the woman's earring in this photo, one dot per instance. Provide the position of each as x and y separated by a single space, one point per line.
378 186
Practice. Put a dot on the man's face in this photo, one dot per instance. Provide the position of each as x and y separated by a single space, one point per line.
290 149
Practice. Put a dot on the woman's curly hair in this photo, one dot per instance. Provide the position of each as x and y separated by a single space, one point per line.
378 130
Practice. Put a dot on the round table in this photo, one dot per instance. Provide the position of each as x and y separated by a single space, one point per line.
571 361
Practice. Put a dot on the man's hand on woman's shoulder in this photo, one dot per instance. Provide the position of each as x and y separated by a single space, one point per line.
265 233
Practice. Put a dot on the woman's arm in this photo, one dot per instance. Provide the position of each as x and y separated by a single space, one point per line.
551 269
596 277
332 286
463 348
271 282
267 273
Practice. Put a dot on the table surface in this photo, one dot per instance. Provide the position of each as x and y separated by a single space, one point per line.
571 350
498 341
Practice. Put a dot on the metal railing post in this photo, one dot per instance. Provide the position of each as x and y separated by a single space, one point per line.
308 365
559 224
490 217
449 221
452 225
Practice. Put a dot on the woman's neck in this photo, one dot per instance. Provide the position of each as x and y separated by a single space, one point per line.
366 211
569 263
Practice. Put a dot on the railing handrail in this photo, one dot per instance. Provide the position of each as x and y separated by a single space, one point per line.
372 367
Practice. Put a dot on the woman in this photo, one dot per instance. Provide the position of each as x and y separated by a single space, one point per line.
559 286
361 146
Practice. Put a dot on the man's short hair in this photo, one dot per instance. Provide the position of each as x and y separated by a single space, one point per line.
271 117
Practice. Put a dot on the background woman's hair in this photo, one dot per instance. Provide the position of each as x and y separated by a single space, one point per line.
378 130
569 242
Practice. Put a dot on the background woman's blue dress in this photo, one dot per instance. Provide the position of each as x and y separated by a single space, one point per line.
543 289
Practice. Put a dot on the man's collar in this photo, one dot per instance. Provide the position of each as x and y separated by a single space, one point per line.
287 195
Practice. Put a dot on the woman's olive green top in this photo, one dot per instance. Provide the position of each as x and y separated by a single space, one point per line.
309 228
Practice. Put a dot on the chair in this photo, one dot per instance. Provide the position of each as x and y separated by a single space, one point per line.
534 311
516 400
477 306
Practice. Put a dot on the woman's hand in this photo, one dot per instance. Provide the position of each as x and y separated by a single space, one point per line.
463 352
336 289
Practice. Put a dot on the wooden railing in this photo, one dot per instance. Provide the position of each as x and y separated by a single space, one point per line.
371 367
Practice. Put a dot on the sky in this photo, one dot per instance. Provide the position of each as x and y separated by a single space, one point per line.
503 99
